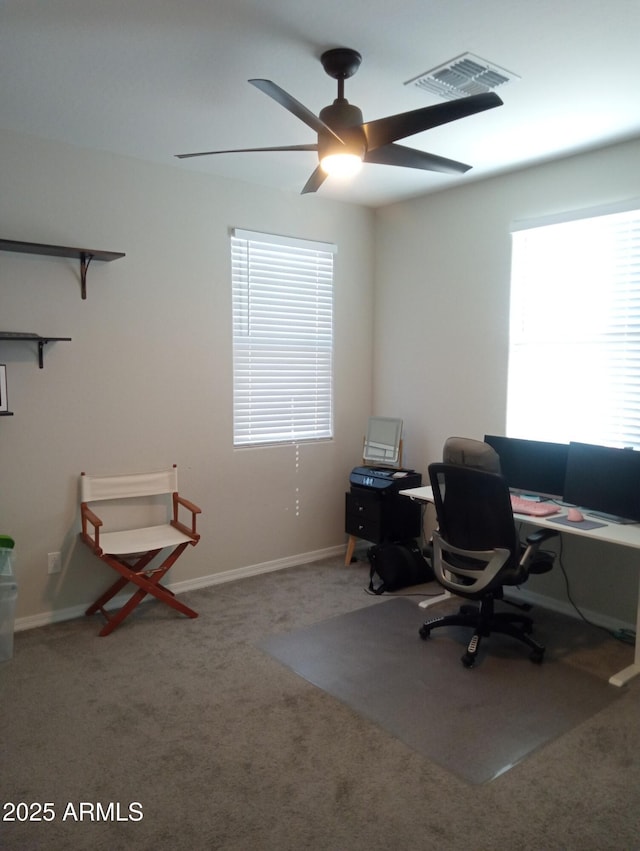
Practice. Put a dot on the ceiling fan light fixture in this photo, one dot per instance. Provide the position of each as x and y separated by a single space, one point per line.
345 141
341 165
342 157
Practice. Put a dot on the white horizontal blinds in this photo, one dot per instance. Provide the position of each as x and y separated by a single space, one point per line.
574 355
282 338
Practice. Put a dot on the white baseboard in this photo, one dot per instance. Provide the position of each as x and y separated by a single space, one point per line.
59 615
520 594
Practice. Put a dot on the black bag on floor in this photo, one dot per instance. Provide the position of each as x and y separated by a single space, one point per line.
397 565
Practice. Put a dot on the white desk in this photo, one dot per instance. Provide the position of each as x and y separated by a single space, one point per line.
625 535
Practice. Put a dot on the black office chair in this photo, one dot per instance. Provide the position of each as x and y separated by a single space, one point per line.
477 551
468 452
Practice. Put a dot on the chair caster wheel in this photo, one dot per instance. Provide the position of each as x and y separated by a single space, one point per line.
537 656
468 660
424 632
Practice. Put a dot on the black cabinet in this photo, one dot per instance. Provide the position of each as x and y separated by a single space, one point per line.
379 516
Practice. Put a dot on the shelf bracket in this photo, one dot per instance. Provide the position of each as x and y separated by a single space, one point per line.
42 342
85 260
41 353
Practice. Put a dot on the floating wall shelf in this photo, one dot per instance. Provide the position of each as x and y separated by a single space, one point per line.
16 336
84 255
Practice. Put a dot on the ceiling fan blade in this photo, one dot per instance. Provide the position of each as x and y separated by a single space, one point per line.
313 147
315 181
394 127
411 158
294 106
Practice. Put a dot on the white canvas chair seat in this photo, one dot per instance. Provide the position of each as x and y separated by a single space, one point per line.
134 541
131 551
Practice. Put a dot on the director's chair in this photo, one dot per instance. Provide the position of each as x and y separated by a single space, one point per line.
130 550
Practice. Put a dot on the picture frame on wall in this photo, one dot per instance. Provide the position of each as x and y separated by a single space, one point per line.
4 404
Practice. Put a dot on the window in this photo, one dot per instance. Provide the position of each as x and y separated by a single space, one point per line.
574 352
282 339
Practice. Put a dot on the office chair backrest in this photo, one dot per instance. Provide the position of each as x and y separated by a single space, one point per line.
467 452
474 510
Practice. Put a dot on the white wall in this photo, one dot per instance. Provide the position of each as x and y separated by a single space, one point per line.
146 380
441 325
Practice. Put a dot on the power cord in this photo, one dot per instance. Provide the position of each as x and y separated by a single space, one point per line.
628 636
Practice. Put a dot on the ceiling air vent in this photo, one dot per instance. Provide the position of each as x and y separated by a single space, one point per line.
462 76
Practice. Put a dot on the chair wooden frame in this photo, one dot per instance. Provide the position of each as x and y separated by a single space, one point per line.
130 552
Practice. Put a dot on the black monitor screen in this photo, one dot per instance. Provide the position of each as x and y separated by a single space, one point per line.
531 466
604 479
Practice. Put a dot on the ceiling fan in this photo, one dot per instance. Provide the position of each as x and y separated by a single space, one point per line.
345 141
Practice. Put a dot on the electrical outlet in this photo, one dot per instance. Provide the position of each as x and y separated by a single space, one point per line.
54 562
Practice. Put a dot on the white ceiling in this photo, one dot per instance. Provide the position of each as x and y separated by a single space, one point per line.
153 78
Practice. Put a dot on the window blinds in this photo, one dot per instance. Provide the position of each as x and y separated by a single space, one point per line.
282 338
574 359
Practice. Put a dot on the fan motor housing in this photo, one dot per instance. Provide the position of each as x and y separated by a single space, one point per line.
340 114
346 120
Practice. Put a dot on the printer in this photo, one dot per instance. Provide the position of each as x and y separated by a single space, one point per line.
387 479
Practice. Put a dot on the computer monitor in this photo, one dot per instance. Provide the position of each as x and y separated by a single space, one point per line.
531 466
604 479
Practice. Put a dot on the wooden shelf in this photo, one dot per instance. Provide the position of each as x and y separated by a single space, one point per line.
84 255
16 336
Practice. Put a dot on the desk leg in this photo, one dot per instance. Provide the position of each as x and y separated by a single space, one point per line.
350 548
431 601
626 674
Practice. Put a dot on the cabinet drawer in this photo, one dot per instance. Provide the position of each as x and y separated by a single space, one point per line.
368 530
364 515
377 517
365 505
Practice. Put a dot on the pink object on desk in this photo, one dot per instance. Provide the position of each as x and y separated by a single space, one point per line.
529 506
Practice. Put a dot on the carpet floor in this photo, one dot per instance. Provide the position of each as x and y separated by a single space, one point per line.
221 747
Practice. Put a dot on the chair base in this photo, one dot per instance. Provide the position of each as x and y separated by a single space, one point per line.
484 620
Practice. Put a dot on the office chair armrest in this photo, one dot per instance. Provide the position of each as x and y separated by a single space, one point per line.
180 501
540 536
91 538
533 541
